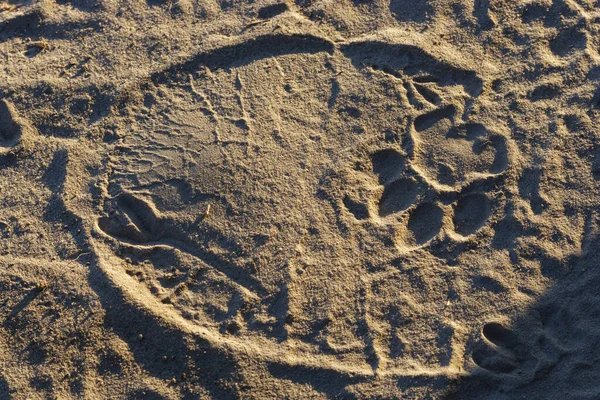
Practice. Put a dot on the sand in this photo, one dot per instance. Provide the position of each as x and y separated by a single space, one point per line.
388 199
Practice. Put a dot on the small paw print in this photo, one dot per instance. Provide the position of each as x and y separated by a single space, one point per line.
393 191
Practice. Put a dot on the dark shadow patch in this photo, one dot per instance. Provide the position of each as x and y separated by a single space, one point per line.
411 10
43 383
32 25
350 111
335 93
426 121
22 305
425 222
573 123
487 358
388 164
83 5
252 50
508 229
545 92
568 40
398 196
56 174
10 130
110 362
5 391
272 10
489 284
20 23
499 335
360 211
471 213
596 164
533 12
475 131
550 348
428 94
529 188
157 3
481 11
146 394
501 157
426 79
328 382
36 353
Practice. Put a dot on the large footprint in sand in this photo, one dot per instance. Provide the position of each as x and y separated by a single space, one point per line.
216 215
210 198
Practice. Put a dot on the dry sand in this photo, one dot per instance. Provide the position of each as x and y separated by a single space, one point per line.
313 199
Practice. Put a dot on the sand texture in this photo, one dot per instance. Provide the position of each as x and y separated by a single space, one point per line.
311 199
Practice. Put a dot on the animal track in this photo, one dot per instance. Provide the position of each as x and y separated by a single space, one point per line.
388 164
398 196
272 10
437 181
212 266
454 155
10 129
424 223
410 197
406 199
501 351
135 224
404 10
137 220
470 213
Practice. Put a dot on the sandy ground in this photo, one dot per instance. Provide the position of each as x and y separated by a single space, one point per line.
313 199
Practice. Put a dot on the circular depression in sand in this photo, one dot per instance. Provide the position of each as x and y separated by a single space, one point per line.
262 186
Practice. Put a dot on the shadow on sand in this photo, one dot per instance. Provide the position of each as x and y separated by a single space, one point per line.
551 349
